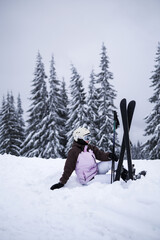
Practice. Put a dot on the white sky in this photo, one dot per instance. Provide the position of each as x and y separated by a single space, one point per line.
73 30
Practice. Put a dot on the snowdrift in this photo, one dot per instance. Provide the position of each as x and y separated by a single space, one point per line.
29 210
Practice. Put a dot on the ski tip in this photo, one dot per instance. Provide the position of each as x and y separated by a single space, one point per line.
132 103
123 101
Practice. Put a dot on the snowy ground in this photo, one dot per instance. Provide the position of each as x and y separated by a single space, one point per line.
29 210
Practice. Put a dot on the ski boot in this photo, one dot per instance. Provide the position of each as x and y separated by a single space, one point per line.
125 174
138 176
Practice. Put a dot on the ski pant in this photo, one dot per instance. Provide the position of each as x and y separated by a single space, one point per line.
104 167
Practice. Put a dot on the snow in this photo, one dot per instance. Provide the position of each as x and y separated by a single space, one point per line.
29 210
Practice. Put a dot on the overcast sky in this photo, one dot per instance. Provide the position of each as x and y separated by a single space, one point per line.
73 30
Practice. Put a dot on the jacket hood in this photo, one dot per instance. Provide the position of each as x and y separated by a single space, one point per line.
79 145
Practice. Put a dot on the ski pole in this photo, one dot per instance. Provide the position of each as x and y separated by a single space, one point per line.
115 126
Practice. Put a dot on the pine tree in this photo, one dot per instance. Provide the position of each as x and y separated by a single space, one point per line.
153 119
92 110
9 141
106 96
64 118
52 144
33 144
3 126
137 151
77 106
21 123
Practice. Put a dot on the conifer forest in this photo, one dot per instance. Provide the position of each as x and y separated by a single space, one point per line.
55 112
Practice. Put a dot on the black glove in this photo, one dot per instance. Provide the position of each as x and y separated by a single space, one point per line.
57 186
113 157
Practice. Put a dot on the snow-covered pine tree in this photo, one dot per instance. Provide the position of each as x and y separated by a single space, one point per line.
92 110
64 117
105 101
51 141
3 126
153 119
77 116
21 123
137 151
9 141
33 144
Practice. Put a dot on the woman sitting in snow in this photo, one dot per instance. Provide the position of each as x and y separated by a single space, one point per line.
82 158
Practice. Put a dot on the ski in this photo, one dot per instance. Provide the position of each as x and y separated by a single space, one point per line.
115 126
127 115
